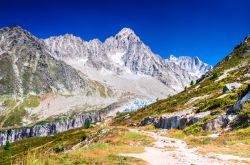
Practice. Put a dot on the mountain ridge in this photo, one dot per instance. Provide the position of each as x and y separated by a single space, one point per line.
117 54
85 75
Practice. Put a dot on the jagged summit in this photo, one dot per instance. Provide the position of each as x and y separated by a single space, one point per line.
15 30
125 53
125 32
194 65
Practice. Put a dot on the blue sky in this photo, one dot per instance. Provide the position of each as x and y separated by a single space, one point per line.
208 29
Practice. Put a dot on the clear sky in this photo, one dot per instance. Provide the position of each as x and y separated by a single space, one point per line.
209 29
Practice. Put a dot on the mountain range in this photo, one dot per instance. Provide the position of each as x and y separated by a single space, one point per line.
84 75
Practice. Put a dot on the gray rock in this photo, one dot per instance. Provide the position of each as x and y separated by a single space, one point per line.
238 105
178 120
216 123
148 121
231 86
125 51
26 67
49 128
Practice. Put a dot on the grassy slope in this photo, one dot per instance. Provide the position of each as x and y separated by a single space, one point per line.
102 147
16 110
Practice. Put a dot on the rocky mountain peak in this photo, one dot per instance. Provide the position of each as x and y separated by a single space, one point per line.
15 31
193 65
127 34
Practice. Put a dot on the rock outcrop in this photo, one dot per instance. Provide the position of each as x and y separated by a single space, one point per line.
238 105
225 120
177 120
49 128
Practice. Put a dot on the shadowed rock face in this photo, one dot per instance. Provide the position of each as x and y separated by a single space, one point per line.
27 67
49 128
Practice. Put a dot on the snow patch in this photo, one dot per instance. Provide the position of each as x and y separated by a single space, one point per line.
117 57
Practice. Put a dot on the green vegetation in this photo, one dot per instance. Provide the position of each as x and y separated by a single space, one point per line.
31 101
197 127
20 149
106 144
7 146
221 103
243 119
59 148
17 110
214 76
192 82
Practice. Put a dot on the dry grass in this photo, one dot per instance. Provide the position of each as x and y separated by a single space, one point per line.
236 142
104 149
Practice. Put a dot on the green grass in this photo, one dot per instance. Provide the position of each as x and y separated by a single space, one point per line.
106 144
16 114
133 136
31 101
21 148
243 119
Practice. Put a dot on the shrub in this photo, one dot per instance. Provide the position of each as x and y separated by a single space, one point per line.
7 146
87 124
214 76
243 119
59 148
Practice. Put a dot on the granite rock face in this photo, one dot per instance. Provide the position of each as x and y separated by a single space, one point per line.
126 53
49 128
178 120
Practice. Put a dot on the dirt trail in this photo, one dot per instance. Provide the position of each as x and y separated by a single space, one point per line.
166 151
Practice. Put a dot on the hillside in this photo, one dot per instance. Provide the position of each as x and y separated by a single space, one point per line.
212 113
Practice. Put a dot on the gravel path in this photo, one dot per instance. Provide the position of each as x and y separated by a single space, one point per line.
166 151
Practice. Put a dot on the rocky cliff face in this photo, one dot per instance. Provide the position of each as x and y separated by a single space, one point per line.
125 53
49 128
178 120
26 67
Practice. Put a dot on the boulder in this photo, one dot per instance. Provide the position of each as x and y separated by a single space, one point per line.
148 120
231 86
238 105
216 123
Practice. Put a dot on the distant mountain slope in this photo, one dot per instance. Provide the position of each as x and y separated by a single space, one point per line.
124 54
26 67
194 66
